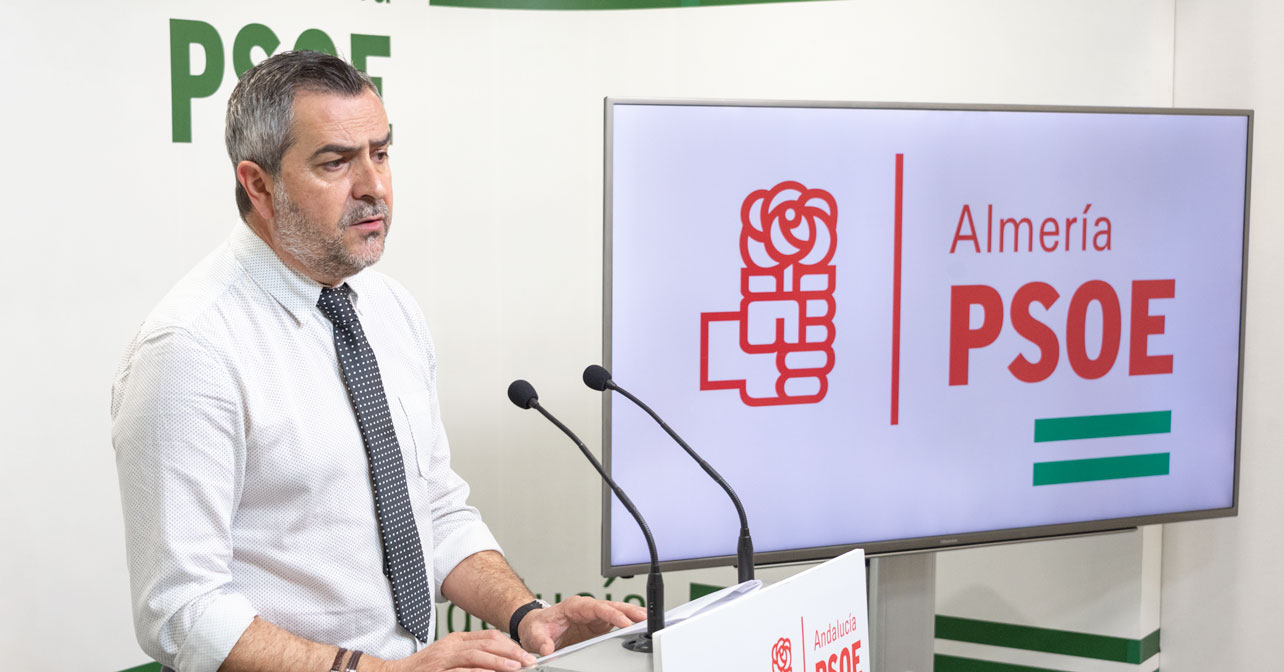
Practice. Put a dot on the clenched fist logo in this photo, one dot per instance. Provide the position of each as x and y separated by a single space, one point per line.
782 656
788 235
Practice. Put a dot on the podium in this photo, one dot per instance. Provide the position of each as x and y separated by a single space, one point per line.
814 621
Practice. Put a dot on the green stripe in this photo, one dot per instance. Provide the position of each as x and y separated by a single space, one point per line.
1101 426
944 663
1147 647
595 4
1100 469
1046 640
149 667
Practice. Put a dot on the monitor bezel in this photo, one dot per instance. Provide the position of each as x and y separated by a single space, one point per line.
915 544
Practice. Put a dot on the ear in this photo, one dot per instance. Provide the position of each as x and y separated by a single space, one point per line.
258 184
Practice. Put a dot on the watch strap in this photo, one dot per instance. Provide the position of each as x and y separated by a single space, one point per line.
518 615
338 660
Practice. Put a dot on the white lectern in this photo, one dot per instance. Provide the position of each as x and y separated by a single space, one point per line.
814 621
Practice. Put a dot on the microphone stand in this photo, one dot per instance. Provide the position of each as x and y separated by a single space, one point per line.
526 398
596 375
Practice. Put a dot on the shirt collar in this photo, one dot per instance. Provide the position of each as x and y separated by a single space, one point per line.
296 292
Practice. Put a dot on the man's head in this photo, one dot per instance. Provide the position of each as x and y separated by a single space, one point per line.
308 136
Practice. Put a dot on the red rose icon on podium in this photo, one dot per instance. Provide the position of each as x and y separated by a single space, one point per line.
778 347
782 656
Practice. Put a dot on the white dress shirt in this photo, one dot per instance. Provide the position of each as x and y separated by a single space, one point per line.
243 475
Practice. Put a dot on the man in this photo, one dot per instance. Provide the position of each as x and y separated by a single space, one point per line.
285 478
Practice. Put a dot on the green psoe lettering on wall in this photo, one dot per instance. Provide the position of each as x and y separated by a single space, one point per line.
253 35
365 46
315 40
187 86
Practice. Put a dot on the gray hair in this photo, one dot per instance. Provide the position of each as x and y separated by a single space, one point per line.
260 112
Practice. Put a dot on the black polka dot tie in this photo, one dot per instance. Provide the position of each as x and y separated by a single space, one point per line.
403 556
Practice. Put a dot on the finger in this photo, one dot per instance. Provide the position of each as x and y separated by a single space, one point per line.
492 642
490 637
485 660
608 612
633 611
591 612
541 640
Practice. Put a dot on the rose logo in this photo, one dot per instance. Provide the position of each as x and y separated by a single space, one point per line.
788 224
782 656
785 321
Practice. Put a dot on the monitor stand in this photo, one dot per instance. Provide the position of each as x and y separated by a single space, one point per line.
902 612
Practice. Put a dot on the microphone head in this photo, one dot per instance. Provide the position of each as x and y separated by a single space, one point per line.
522 393
597 377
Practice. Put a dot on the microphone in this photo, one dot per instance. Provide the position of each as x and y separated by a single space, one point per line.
599 379
523 395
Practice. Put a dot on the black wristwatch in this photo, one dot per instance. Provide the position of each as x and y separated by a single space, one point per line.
521 612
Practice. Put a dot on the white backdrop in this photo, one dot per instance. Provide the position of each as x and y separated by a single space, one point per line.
497 158
1222 581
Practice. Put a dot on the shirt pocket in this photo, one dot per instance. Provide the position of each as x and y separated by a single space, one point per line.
416 407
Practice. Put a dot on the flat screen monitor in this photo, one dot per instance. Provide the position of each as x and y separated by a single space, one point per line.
917 327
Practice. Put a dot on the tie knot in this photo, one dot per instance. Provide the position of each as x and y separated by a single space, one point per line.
334 304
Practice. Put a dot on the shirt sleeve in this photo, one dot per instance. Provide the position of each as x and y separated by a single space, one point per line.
178 433
458 529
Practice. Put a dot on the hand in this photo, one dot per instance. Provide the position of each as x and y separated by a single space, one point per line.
470 651
578 618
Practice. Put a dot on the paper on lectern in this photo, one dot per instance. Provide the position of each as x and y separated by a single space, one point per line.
673 616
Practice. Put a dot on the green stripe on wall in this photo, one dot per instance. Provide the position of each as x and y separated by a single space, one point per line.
1100 469
149 667
1102 426
595 4
1046 640
944 663
1147 647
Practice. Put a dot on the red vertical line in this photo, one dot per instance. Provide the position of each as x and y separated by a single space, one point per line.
896 297
802 629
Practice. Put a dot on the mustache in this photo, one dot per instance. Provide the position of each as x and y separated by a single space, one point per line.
365 210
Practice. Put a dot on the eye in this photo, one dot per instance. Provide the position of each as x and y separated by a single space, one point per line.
333 164
381 155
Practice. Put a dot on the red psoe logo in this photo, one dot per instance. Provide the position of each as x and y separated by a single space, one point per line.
785 325
782 656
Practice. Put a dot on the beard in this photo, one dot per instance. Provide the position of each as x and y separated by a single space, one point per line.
323 255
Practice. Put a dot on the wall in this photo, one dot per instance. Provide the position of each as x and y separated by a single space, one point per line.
1222 581
114 214
498 160
547 74
1083 604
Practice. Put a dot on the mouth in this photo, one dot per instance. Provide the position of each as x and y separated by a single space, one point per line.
369 224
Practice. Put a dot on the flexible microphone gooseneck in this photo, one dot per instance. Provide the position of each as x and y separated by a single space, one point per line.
598 378
523 395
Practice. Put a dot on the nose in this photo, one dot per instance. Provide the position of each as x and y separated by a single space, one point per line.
371 179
